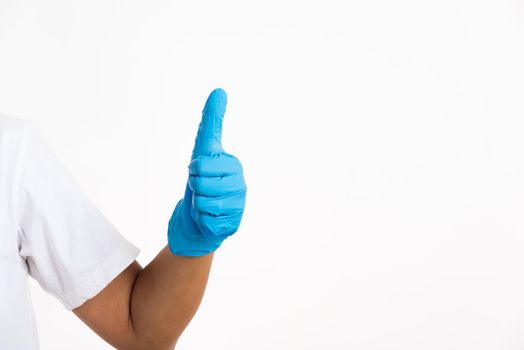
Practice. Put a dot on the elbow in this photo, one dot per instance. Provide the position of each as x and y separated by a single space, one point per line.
149 342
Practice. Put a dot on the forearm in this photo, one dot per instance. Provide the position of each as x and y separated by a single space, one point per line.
165 296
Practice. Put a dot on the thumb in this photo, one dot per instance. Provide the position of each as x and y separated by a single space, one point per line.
209 135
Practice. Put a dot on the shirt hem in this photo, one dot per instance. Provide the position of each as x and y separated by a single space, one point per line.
121 258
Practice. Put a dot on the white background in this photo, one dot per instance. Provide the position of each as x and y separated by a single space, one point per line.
382 143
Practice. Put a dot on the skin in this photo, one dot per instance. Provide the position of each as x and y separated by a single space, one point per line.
149 308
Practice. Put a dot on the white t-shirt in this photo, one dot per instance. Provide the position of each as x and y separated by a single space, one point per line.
50 231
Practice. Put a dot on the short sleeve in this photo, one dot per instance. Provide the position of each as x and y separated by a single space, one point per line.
71 248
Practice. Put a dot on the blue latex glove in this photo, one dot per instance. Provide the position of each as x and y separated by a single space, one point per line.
215 195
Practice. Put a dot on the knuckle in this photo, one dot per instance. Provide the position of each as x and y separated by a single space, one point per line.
199 167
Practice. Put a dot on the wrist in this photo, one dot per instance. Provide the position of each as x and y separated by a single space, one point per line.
184 237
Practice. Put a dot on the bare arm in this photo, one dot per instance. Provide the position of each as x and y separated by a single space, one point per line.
149 308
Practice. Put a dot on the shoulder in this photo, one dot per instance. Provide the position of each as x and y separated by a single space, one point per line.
15 135
14 128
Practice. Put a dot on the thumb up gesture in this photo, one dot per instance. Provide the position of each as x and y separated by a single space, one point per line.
215 194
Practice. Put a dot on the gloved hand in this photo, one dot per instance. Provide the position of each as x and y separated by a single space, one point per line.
215 194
